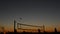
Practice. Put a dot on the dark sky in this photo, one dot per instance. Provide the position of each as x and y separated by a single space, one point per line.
36 12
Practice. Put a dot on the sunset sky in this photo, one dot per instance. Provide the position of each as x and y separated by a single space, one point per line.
33 12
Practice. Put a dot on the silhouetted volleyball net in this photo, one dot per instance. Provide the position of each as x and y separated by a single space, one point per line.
30 28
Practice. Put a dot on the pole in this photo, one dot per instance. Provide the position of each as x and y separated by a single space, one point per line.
14 26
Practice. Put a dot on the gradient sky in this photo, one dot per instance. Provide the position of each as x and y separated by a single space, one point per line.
34 12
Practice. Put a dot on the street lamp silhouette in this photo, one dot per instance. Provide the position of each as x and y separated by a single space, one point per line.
20 18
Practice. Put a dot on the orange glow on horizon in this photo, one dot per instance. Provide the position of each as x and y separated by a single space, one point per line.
47 29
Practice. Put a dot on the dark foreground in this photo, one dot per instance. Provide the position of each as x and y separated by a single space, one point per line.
30 33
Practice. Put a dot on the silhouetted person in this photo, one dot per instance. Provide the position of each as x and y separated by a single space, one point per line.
55 30
39 31
24 32
1 32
